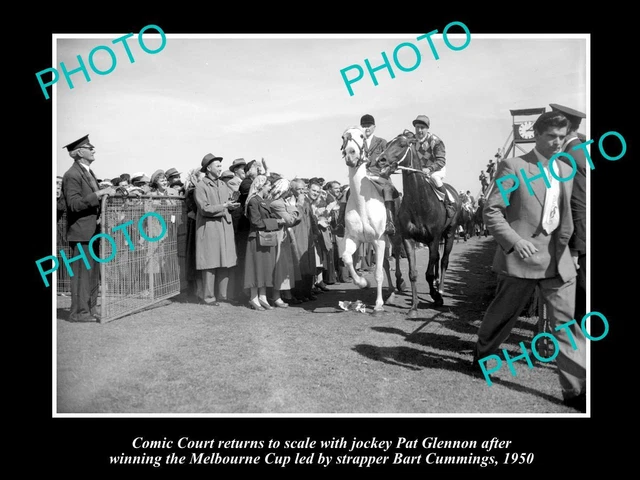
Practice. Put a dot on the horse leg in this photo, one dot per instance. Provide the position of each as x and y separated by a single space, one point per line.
396 249
380 251
444 261
387 270
413 277
400 285
350 246
434 256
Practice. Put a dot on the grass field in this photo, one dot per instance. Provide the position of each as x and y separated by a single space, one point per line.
180 357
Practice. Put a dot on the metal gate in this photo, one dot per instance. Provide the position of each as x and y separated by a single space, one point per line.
144 265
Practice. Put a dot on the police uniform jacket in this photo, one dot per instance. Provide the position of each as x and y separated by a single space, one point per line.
79 188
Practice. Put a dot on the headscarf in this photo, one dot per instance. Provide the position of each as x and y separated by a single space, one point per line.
256 186
279 188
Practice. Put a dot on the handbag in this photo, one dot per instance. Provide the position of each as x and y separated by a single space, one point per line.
267 239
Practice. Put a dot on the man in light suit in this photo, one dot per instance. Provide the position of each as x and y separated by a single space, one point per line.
82 196
532 225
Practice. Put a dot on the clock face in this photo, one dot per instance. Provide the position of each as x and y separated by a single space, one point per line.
526 130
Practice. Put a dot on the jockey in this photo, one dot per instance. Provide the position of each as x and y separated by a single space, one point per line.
465 200
471 200
374 146
431 153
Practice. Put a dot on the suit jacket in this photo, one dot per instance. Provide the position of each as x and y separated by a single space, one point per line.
83 204
522 219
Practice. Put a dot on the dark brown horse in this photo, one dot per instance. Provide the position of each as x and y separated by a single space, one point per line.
467 222
479 221
422 217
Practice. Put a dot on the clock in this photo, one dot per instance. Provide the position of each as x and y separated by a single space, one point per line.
525 130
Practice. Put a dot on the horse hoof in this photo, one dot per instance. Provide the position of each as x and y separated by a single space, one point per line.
413 313
376 312
361 283
438 302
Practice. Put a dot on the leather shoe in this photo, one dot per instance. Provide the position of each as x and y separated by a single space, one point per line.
322 286
293 301
215 303
312 297
255 306
82 318
280 303
579 403
265 305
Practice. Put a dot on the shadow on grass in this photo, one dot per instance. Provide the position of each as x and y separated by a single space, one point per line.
416 360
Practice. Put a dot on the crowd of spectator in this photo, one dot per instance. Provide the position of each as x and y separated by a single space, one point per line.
253 237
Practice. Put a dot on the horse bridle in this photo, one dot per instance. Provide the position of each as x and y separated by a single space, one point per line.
404 156
361 158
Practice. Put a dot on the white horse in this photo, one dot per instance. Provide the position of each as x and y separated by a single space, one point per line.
366 216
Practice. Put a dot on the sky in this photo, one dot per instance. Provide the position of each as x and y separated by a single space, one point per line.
282 98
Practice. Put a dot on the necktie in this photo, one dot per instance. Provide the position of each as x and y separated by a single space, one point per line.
94 182
551 212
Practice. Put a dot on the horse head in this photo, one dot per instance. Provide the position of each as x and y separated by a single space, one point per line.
354 150
397 150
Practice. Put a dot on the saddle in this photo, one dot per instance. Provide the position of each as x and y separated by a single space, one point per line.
379 183
438 193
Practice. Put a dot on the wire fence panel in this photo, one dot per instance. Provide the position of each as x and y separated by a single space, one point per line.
63 280
141 259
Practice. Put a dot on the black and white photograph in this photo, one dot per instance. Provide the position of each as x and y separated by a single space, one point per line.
363 229
175 322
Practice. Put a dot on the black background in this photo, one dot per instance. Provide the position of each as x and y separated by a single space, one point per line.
561 445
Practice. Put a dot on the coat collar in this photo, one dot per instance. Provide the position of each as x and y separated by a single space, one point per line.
86 175
211 182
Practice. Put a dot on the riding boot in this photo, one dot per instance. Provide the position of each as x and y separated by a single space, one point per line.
449 206
390 227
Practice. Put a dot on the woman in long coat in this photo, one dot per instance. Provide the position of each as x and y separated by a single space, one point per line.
260 260
215 243
285 269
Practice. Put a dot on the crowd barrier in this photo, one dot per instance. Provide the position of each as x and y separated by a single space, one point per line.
150 273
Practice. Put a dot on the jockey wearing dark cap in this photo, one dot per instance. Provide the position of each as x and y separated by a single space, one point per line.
374 146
